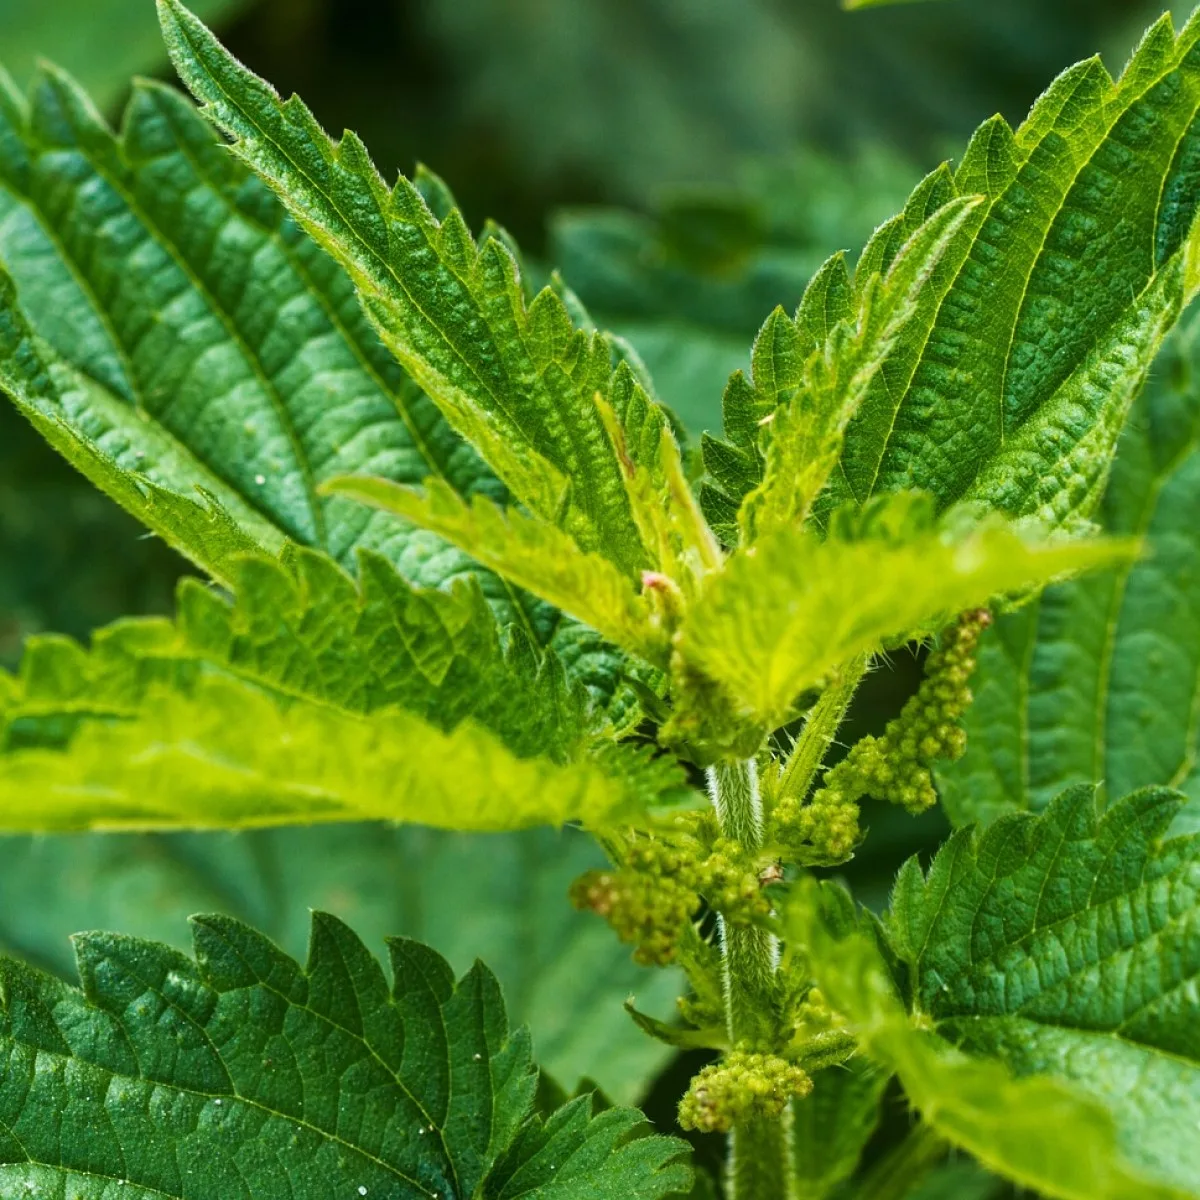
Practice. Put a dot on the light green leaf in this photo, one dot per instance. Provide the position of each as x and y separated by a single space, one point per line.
308 632
1010 383
791 608
1064 946
268 1079
1098 681
276 712
562 972
1016 1126
831 1127
516 376
534 554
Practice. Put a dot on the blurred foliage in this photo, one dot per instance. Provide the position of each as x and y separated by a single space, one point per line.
687 164
690 281
101 42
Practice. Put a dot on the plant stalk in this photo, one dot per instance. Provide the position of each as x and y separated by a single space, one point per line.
821 728
759 1165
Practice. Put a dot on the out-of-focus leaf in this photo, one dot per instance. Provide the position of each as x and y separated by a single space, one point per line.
688 283
101 42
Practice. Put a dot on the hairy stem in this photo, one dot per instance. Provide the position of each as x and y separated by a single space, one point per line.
821 728
759 1151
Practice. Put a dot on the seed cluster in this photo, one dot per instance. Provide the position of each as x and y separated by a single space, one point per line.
742 1087
897 766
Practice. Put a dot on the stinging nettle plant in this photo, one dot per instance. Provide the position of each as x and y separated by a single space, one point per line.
466 571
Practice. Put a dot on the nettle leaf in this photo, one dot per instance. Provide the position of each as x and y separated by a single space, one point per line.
562 972
520 378
241 1073
789 609
210 344
309 700
1097 681
1009 384
810 374
1067 946
1037 1121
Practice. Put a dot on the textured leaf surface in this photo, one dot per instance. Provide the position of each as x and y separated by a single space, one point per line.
532 553
811 375
243 1074
784 613
1010 383
1067 947
1016 1126
309 701
518 377
209 344
1098 681
503 895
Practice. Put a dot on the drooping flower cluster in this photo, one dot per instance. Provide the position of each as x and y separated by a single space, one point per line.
660 884
896 767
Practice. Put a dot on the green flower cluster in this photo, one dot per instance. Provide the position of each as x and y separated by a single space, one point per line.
660 884
741 1087
897 766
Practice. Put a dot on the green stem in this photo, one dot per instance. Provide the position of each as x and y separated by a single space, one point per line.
759 1151
820 729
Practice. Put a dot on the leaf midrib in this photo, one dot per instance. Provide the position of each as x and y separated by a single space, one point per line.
117 343
323 1018
270 389
1018 944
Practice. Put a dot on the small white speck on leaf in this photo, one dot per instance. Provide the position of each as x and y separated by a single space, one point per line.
260 479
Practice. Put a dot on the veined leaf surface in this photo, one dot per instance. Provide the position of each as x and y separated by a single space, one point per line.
309 701
562 972
1048 967
267 1079
518 377
170 330
1097 682
792 608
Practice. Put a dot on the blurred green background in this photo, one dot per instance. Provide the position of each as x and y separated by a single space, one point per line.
687 164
